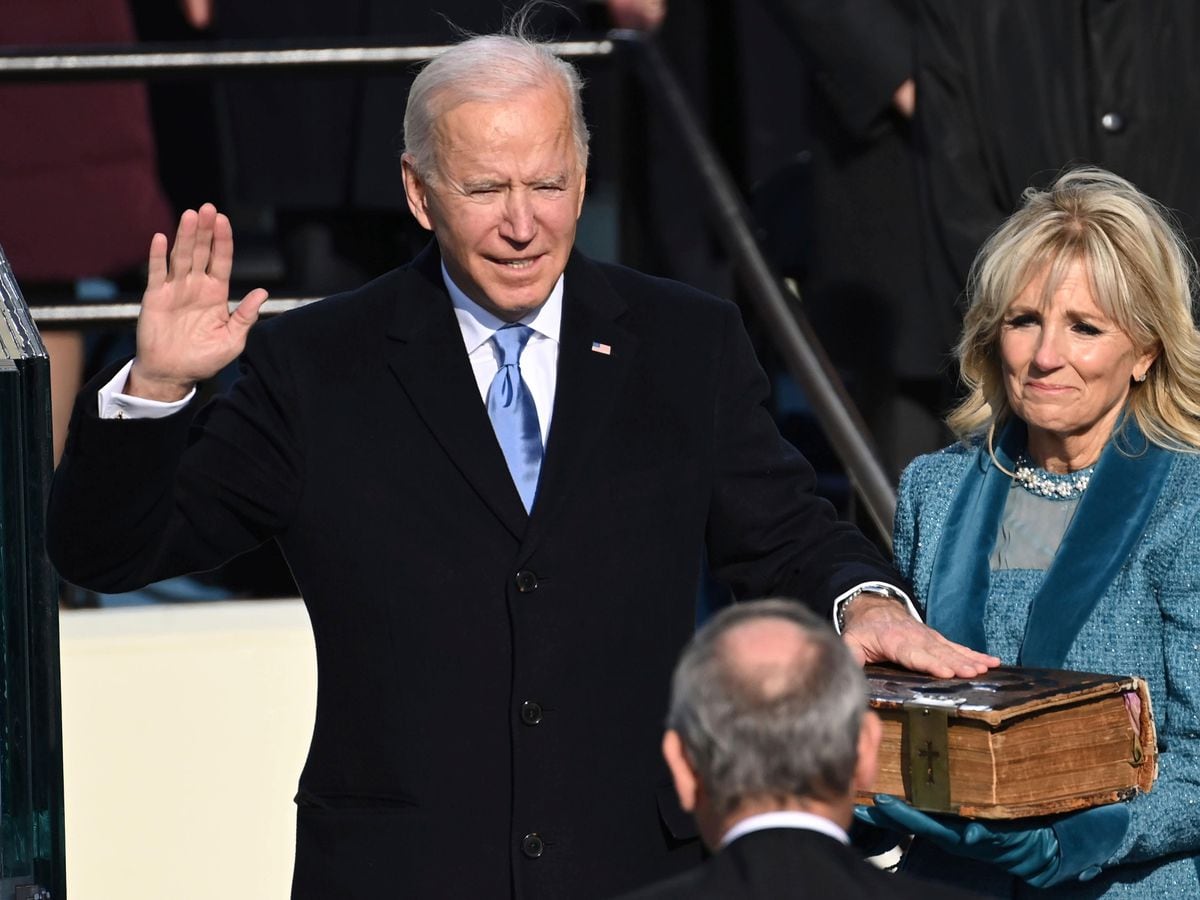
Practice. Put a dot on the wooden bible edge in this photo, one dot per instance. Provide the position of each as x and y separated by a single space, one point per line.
1147 737
1130 683
1029 810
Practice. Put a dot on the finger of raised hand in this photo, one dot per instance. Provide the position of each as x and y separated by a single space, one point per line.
185 241
220 266
202 249
246 313
156 268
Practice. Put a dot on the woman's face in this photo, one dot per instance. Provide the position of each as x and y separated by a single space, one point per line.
1067 369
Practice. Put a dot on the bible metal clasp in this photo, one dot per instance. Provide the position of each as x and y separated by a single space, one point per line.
928 752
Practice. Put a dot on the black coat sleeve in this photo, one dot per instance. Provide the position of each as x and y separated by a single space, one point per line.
768 533
860 52
961 204
136 501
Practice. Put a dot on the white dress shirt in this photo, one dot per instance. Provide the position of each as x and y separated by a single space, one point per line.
785 818
539 360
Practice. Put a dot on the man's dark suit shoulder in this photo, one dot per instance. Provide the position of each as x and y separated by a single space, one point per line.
414 289
791 864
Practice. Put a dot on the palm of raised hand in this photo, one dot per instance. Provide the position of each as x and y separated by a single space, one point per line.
186 332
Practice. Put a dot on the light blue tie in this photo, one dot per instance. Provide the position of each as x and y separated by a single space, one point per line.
510 407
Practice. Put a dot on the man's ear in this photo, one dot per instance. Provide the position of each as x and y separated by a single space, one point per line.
416 191
867 767
582 192
682 772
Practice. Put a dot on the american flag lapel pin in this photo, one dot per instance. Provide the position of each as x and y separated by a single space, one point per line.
603 349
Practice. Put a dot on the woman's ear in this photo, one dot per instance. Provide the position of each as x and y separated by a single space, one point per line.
1142 367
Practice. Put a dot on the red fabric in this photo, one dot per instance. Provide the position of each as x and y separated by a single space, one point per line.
79 190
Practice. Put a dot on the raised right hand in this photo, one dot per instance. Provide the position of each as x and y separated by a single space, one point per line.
185 331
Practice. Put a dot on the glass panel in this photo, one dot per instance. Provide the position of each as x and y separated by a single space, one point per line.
32 863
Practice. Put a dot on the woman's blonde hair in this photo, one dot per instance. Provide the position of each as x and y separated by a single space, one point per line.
1141 275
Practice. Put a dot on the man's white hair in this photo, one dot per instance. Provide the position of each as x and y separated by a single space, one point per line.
488 68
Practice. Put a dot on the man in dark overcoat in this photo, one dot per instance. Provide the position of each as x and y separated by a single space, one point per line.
493 472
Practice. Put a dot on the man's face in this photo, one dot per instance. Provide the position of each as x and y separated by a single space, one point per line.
505 198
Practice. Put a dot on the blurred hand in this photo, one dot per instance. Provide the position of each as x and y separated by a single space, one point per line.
905 98
197 12
640 15
1031 854
878 629
185 331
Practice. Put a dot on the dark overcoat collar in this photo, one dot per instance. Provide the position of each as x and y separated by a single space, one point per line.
428 357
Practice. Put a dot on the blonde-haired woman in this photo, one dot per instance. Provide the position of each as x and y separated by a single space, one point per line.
1062 531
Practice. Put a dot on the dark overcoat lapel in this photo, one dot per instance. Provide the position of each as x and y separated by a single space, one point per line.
428 358
589 386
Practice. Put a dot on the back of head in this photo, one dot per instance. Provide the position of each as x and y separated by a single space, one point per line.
1141 276
768 703
488 68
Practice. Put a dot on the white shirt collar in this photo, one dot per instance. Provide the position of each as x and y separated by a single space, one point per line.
789 818
478 325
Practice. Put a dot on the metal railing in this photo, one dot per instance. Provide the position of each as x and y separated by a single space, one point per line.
793 335
116 62
729 217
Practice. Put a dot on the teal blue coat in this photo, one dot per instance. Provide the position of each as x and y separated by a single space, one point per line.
1122 597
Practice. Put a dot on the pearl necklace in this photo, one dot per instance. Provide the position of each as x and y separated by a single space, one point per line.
1050 484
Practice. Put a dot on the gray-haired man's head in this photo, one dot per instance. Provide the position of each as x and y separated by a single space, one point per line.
767 709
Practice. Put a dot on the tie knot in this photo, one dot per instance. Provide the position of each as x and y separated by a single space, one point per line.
510 341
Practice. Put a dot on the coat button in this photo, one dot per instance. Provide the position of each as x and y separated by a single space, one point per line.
531 713
527 582
532 846
1112 122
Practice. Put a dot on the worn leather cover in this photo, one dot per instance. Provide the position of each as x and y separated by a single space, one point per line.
1016 743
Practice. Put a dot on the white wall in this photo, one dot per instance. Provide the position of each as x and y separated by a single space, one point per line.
184 730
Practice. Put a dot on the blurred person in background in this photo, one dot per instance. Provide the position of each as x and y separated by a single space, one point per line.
311 161
850 231
78 185
1012 91
810 103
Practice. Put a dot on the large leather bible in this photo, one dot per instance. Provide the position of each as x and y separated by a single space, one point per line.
1013 742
